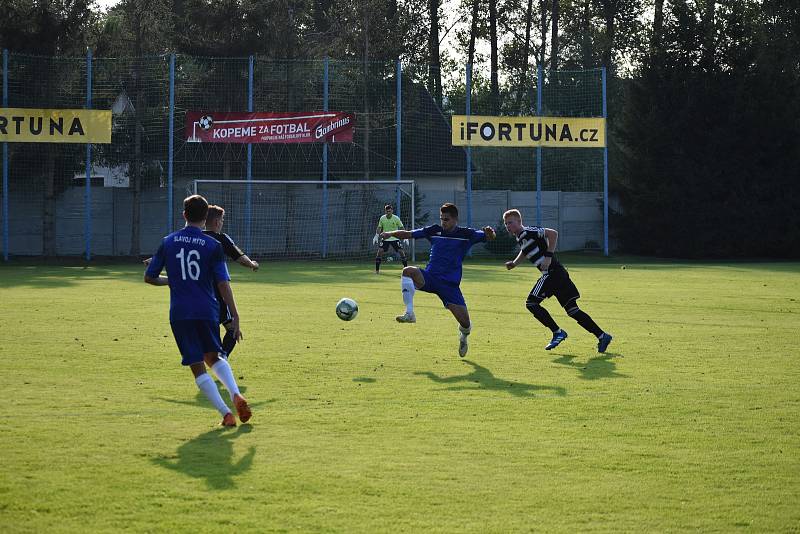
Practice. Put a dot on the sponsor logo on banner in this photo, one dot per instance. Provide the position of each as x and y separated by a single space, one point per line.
244 127
27 125
564 132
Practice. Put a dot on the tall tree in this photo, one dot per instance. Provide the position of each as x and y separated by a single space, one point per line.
494 83
554 37
49 28
434 57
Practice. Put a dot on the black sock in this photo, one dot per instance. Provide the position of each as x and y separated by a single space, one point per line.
405 263
544 317
228 342
585 321
377 265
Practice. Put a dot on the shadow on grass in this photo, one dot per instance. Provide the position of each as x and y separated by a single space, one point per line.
595 368
484 379
209 456
201 400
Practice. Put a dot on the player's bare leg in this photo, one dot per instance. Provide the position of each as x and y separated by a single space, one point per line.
410 281
464 326
206 384
224 373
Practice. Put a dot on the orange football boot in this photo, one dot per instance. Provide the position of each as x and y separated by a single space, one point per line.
242 408
228 420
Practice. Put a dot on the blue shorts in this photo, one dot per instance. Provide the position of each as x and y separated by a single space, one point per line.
448 292
195 338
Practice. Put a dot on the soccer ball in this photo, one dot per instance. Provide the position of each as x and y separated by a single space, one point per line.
346 309
205 122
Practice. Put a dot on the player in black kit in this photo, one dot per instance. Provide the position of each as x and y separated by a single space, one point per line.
538 245
214 222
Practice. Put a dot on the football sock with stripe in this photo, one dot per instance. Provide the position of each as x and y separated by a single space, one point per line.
543 316
586 322
225 374
407 286
209 389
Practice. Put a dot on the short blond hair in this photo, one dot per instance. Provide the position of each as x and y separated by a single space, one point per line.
512 213
214 213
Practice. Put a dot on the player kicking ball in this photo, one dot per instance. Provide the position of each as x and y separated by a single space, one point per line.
195 263
538 245
442 276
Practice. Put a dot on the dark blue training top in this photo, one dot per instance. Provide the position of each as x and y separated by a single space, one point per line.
448 249
195 263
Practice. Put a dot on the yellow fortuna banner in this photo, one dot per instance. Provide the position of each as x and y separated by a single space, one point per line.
24 125
565 132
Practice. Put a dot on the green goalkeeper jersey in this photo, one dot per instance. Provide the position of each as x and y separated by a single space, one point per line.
390 225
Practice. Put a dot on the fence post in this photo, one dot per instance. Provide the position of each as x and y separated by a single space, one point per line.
398 169
468 94
87 198
5 161
325 163
249 200
539 84
170 143
605 170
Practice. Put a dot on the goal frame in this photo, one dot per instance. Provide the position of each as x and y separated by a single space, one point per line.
324 184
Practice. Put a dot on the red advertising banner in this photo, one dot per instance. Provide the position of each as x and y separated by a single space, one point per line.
244 127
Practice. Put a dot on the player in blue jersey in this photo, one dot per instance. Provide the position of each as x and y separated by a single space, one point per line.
195 264
442 276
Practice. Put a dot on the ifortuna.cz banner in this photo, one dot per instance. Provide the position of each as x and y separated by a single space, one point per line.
28 125
564 132
244 127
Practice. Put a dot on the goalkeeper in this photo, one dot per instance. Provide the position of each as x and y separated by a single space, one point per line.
389 222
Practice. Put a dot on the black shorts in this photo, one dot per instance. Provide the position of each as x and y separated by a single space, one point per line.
397 245
555 282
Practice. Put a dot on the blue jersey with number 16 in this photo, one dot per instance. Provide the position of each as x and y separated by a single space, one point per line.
195 263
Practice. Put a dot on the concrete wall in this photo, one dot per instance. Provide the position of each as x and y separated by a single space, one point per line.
286 223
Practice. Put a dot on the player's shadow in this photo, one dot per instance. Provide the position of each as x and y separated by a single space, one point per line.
209 456
484 379
602 366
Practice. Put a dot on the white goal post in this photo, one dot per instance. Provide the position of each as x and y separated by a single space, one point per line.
298 219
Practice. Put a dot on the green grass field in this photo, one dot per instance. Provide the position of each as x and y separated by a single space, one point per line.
691 421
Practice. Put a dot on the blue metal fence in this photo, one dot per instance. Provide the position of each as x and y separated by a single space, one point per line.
383 104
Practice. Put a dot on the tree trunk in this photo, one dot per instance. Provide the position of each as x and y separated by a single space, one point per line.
136 167
434 62
473 33
543 47
709 25
609 14
494 84
366 94
658 30
554 38
586 39
525 87
49 208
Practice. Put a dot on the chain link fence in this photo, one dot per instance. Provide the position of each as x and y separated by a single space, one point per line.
136 183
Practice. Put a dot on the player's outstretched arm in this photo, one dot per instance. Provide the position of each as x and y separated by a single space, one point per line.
226 293
400 234
490 233
244 261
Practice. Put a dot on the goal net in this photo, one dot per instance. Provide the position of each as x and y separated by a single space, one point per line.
307 219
